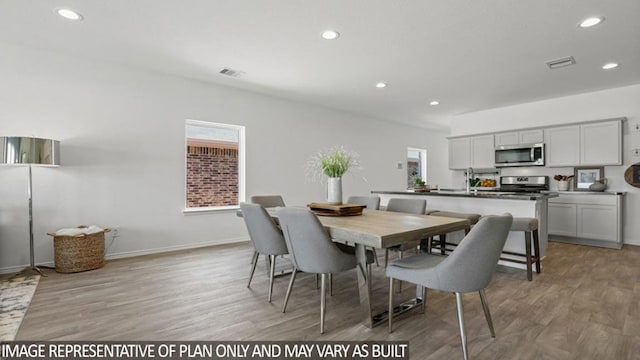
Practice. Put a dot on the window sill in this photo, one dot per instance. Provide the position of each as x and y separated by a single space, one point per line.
209 210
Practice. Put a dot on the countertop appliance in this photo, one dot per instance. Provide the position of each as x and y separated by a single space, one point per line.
526 184
519 155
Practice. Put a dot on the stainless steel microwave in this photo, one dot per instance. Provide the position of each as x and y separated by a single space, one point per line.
520 155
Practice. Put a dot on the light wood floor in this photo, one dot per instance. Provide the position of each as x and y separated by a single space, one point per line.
584 305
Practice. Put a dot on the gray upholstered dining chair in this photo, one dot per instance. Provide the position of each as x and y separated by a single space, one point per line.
372 202
268 201
312 251
266 237
469 268
412 206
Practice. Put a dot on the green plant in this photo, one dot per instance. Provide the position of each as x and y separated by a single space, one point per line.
333 162
418 181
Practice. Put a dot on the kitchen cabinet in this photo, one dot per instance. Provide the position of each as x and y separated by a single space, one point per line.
562 219
474 151
482 152
600 143
587 219
533 136
589 144
595 143
459 153
563 145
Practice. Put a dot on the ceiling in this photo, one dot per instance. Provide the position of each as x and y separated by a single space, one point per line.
467 54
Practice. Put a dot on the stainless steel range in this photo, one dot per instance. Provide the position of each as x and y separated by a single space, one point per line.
525 184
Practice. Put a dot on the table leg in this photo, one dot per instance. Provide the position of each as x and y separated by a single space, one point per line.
364 287
369 319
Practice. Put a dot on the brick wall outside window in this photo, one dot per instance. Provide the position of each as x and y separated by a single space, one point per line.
212 176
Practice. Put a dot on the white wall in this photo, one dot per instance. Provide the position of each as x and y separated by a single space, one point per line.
612 103
122 149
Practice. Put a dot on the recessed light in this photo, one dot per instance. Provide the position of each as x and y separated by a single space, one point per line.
610 66
434 103
69 14
381 85
330 35
592 21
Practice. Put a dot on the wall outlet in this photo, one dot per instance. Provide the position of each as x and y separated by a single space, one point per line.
399 165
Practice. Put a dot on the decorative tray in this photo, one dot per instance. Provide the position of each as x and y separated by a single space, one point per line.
324 209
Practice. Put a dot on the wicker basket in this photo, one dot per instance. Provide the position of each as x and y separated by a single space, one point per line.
79 252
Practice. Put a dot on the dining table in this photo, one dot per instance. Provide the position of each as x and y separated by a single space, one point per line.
385 229
382 229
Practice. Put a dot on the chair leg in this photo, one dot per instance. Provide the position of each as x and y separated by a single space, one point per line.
386 258
443 240
375 255
286 298
272 272
317 281
423 306
527 251
536 250
330 284
463 334
429 240
254 262
323 304
401 256
369 278
487 314
390 305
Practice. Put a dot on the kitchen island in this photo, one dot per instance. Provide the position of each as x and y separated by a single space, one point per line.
486 203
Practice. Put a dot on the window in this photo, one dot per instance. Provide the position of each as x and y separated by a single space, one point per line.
214 165
416 165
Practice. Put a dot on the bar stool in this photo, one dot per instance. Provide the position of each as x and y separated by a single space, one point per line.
442 238
529 226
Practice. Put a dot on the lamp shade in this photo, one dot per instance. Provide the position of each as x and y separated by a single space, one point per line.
16 150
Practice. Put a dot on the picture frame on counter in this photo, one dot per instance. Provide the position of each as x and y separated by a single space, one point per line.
585 176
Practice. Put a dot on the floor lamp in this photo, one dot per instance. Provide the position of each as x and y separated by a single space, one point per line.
28 151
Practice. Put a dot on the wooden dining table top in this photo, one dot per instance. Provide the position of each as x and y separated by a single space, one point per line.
383 229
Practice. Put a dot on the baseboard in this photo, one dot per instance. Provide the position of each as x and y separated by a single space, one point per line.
127 254
16 269
632 242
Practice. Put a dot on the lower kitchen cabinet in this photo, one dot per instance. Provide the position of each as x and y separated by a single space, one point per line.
562 219
597 222
587 219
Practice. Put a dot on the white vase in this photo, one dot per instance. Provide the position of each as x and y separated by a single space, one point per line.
563 185
334 191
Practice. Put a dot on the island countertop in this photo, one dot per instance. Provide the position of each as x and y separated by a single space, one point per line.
527 205
500 195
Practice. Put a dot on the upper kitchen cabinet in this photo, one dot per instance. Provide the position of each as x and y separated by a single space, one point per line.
601 143
482 152
563 145
596 143
459 153
475 152
533 136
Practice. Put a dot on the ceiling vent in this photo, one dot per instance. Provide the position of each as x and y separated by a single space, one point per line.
231 72
562 62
